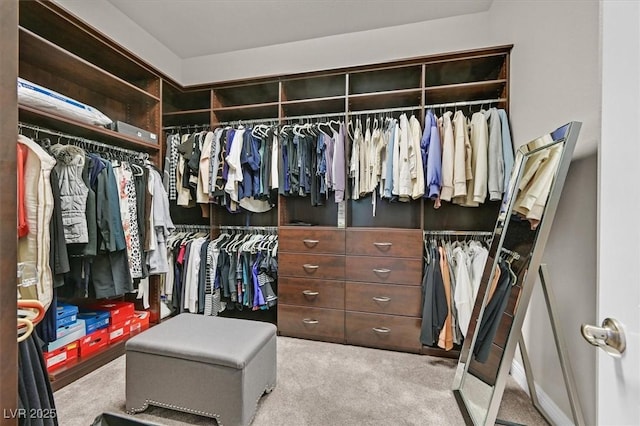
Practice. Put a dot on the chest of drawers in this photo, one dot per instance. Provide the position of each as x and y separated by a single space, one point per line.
360 286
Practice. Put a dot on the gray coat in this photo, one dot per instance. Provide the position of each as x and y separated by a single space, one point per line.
73 192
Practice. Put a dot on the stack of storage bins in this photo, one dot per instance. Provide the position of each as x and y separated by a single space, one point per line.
86 330
69 330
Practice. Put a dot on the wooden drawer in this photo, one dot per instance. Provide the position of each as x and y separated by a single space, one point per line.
383 331
312 323
311 292
311 240
384 270
384 299
385 242
319 266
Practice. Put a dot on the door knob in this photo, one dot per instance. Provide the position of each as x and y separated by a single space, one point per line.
610 337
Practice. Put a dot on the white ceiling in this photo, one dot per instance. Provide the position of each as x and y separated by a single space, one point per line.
192 28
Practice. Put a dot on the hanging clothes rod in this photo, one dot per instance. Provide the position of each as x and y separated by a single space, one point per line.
461 233
466 103
310 116
187 126
248 228
49 132
267 121
188 227
385 110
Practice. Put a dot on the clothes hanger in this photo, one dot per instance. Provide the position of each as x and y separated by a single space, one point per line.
31 309
25 328
297 130
138 171
336 123
328 132
350 129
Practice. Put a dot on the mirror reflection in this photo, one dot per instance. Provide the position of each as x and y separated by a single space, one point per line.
502 286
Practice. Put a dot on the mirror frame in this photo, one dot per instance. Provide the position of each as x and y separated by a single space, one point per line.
569 138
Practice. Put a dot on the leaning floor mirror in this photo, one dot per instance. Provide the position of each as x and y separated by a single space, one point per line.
510 273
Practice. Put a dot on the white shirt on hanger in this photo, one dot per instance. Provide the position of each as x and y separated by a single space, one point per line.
235 167
448 153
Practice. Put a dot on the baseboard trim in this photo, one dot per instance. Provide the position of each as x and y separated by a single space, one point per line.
556 415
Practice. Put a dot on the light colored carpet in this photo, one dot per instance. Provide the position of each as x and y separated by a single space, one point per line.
318 384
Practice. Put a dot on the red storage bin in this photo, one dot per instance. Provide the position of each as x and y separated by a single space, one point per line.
61 356
119 311
119 331
140 321
94 342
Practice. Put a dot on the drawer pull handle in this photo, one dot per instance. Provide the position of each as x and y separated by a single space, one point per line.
383 245
382 330
310 321
381 271
382 299
308 267
310 293
310 243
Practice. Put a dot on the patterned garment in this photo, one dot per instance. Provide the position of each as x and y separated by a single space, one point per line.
170 165
129 215
212 294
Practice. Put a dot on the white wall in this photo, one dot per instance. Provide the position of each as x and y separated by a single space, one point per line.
555 78
105 17
364 47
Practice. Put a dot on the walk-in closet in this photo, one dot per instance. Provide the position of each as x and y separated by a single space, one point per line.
314 224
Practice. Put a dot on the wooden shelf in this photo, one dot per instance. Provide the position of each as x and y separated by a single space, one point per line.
492 89
389 78
328 86
44 55
176 100
196 116
88 131
55 24
314 100
267 110
82 366
483 67
243 95
246 107
386 99
314 106
188 112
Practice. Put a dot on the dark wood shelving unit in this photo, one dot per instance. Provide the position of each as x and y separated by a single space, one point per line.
58 51
405 86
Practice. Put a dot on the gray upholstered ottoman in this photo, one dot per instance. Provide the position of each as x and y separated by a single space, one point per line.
211 366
